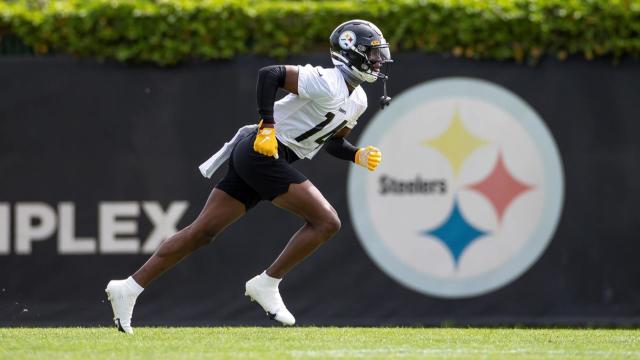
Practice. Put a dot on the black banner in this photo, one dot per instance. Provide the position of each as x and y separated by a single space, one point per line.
98 164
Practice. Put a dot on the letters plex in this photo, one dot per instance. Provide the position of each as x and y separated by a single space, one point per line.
117 226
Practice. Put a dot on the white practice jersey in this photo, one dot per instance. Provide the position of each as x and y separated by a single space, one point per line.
322 107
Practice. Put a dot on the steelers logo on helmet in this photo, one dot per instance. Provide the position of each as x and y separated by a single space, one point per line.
347 39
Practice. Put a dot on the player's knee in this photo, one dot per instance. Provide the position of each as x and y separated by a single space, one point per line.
329 225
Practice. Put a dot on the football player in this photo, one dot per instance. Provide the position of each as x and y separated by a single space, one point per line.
322 107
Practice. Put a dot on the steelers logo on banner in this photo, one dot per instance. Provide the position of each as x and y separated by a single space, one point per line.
469 191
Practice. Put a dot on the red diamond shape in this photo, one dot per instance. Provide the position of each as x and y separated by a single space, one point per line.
500 187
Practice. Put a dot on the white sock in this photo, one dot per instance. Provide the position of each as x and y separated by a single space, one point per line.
268 280
134 286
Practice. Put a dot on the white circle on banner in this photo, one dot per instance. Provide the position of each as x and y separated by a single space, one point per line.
469 191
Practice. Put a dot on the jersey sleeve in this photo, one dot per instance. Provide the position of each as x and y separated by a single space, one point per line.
311 84
361 106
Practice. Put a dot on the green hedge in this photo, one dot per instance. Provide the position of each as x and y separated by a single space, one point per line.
162 32
170 31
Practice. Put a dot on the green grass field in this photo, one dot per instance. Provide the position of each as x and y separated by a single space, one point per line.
318 343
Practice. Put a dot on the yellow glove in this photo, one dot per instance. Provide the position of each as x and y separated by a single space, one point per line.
369 157
266 142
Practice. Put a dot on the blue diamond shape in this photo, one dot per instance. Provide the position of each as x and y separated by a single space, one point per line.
456 233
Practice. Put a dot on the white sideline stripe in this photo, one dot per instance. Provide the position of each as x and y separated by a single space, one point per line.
400 352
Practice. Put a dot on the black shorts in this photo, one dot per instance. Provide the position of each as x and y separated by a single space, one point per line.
252 177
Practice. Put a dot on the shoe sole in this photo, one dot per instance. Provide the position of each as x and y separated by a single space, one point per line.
271 316
117 320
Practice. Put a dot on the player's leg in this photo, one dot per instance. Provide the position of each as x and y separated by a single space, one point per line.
220 211
322 221
276 180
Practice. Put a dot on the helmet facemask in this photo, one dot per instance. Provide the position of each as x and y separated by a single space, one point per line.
376 59
367 63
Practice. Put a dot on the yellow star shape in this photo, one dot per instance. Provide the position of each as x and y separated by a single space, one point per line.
456 143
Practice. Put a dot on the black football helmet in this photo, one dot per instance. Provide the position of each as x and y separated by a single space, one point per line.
360 45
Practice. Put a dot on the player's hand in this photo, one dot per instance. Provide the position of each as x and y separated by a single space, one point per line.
266 142
369 157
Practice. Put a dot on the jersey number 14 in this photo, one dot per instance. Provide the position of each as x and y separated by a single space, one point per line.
316 129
